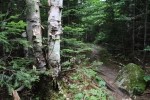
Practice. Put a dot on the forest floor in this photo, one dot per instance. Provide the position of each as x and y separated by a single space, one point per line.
108 73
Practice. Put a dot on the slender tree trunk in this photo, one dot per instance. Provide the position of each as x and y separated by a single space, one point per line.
54 31
145 33
133 32
34 33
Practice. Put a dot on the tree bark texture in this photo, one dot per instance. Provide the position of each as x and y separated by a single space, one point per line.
34 33
54 31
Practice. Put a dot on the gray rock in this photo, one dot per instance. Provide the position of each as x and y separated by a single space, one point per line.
131 78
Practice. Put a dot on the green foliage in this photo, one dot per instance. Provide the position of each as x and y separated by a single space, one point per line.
83 86
85 83
147 78
10 34
73 48
100 38
89 72
93 18
15 71
44 2
79 96
73 31
95 94
147 48
17 74
3 38
81 24
15 27
26 78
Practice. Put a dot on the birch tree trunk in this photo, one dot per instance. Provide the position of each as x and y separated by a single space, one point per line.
34 33
54 31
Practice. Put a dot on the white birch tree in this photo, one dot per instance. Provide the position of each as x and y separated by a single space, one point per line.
34 33
54 31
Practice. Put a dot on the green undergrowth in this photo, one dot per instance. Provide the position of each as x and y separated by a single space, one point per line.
83 83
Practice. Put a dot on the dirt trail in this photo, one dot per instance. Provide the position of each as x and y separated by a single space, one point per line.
109 73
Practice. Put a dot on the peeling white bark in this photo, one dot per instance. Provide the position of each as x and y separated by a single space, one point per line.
34 33
57 3
54 31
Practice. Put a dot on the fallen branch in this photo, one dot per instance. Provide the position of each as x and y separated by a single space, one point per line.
20 88
15 95
120 64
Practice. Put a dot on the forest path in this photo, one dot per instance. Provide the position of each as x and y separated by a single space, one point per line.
109 73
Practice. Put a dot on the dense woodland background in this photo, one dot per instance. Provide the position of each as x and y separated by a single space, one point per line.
120 27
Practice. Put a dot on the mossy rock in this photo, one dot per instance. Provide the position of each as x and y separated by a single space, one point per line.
131 78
